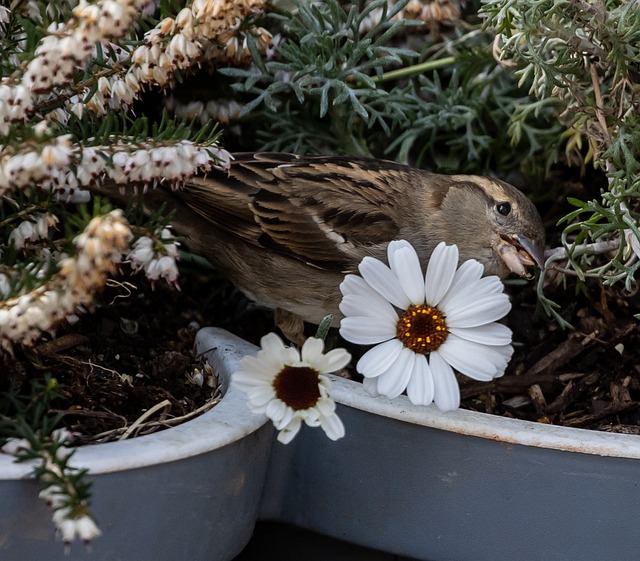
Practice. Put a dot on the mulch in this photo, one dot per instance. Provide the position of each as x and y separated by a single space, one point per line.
586 377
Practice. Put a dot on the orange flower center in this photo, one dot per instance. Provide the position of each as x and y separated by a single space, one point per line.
422 329
297 386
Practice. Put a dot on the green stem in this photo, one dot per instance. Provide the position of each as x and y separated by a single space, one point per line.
415 69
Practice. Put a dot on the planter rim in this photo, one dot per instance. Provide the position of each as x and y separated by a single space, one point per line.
485 425
226 422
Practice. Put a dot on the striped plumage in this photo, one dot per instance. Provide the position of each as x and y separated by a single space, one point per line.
286 229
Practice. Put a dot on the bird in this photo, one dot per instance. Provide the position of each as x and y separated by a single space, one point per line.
286 229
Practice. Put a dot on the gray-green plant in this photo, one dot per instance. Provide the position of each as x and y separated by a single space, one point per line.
584 59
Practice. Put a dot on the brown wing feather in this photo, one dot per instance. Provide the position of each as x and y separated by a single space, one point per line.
303 207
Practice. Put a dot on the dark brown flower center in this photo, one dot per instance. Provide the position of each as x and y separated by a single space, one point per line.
297 386
422 329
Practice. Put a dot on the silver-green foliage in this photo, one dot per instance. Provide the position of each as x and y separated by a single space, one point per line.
585 57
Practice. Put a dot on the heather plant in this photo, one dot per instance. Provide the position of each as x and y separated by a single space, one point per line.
71 74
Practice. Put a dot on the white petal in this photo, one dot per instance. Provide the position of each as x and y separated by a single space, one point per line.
275 361
312 417
447 393
505 353
259 398
364 305
312 349
404 262
272 343
420 388
488 334
253 366
474 290
469 272
440 272
479 362
287 434
366 331
332 426
393 381
326 406
381 278
354 284
276 410
286 419
371 386
335 360
274 354
469 312
379 358
246 381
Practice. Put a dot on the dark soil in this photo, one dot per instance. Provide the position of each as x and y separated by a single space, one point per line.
135 353
584 378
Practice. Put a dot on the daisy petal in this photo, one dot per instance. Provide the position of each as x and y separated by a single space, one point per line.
272 343
371 386
366 331
504 353
470 312
488 334
381 278
393 382
288 416
332 426
312 417
334 360
275 361
354 284
247 380
475 290
404 262
379 358
326 407
447 393
420 388
479 362
469 272
259 398
440 272
288 433
364 305
276 411
312 349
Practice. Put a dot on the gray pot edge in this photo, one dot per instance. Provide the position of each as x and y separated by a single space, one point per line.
492 427
482 425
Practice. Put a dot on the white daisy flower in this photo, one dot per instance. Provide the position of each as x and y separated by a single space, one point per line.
290 386
424 326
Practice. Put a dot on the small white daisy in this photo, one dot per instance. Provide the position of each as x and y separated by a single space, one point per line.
424 326
290 386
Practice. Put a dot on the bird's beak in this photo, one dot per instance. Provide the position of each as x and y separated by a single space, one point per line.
519 252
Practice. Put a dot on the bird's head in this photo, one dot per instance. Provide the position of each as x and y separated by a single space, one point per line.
496 224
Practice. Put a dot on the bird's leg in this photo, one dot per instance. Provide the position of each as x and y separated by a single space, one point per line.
291 325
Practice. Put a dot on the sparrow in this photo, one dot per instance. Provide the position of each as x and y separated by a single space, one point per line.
286 229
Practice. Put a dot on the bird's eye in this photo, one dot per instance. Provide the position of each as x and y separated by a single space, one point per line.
503 208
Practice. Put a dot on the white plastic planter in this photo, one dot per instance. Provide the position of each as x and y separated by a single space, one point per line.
187 493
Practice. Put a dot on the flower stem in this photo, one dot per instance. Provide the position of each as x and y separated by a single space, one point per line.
415 69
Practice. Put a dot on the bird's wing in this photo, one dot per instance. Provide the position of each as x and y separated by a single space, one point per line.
314 209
